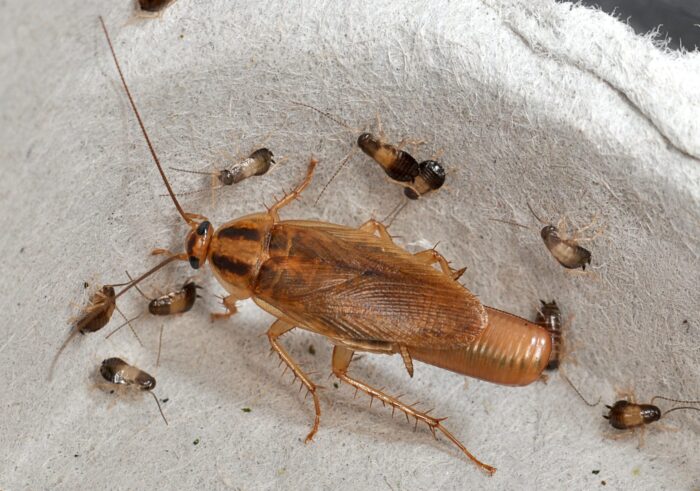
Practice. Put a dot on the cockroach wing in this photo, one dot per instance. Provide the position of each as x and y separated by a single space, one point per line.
349 284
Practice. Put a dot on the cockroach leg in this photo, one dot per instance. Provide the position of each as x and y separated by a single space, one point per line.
406 356
274 209
431 256
342 357
277 329
230 305
373 227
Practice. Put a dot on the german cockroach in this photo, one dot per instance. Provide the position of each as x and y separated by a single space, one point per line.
565 250
172 303
626 414
549 317
94 317
416 178
119 373
154 6
256 164
361 291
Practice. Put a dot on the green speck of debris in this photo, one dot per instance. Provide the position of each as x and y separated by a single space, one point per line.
312 350
335 384
246 409
196 442
596 472
636 471
281 471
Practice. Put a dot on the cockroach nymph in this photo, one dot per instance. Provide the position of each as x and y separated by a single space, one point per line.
154 6
628 415
361 291
566 251
549 317
172 303
256 164
397 164
118 372
416 178
94 317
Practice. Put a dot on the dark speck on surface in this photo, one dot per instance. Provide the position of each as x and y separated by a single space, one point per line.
597 471
196 442
246 409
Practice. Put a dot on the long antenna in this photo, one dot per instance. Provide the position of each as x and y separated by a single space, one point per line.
672 400
680 407
335 174
325 114
535 214
577 391
143 128
148 273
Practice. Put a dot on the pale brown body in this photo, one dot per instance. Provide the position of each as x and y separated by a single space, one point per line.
566 251
154 6
625 415
99 311
119 373
175 302
364 293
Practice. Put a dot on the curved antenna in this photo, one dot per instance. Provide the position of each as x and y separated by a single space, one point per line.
672 400
680 407
535 214
148 273
159 408
135 286
143 128
509 222
342 165
577 391
325 114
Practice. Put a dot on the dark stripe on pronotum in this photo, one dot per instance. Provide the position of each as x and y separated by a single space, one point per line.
231 266
239 233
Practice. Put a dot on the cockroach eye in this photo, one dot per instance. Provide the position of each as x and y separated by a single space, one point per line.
202 229
194 262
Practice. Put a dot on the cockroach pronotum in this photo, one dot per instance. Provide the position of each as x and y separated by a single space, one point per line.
119 373
361 291
256 164
628 415
416 178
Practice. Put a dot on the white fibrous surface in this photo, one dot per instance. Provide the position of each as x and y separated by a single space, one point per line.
557 105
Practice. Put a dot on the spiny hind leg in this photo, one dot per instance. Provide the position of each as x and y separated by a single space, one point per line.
431 256
296 192
341 361
277 329
373 227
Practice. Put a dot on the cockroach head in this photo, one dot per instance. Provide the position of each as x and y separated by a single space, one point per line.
197 244
548 231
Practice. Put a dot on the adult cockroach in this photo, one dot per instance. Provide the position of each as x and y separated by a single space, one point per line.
256 164
628 415
119 373
361 291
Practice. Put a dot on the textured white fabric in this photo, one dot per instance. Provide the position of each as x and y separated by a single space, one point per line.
554 104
